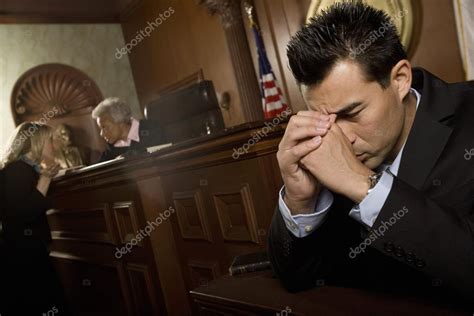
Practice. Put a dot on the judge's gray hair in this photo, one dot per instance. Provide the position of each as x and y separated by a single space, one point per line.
117 109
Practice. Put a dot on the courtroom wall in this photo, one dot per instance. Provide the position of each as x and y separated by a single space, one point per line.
186 41
191 39
435 45
87 47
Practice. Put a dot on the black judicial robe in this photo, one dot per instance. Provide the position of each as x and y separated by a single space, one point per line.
29 284
150 135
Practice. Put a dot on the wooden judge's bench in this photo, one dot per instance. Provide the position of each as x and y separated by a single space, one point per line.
222 205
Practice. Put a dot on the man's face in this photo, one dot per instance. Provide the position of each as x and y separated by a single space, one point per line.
109 130
372 118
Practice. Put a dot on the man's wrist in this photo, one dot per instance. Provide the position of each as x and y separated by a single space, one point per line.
361 186
373 180
297 207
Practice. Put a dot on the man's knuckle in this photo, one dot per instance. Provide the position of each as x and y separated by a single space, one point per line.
292 124
294 152
280 155
293 134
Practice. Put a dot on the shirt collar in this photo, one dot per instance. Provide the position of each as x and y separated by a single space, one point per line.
133 135
396 163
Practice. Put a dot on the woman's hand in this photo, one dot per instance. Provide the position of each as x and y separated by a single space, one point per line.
47 172
49 169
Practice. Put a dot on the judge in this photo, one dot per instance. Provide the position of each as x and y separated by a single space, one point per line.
125 135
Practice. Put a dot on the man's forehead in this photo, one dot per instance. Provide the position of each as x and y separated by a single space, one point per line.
343 86
329 103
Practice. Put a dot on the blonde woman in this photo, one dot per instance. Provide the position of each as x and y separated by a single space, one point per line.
27 273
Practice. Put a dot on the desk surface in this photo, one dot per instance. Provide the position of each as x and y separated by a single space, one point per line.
261 294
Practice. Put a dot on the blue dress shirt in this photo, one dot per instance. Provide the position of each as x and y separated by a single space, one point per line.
365 212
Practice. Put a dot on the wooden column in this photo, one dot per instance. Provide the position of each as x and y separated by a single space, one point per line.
247 83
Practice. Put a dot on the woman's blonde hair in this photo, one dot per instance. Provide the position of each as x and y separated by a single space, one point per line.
28 138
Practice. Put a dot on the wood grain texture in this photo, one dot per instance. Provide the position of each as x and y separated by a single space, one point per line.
261 294
223 207
435 45
189 40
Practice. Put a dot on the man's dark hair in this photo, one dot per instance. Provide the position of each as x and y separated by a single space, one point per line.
346 31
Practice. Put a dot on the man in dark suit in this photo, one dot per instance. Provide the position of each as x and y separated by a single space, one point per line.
125 135
378 177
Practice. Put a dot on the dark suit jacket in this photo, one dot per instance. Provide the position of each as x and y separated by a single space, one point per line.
150 135
431 248
24 207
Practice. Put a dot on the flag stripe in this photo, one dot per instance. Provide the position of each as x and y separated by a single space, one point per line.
273 101
274 98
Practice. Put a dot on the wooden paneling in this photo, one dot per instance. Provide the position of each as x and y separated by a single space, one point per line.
222 208
191 215
82 225
141 282
203 272
88 228
190 39
92 288
126 219
435 32
261 294
238 198
164 249
437 48
236 214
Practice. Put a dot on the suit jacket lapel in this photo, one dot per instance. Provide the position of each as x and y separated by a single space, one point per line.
428 135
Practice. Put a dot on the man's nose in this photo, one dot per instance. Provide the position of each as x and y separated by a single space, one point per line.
347 130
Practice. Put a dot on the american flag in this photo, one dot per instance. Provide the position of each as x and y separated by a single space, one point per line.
273 101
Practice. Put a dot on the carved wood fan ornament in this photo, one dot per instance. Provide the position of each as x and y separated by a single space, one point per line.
53 90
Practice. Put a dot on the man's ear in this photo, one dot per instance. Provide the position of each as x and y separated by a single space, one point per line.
401 78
